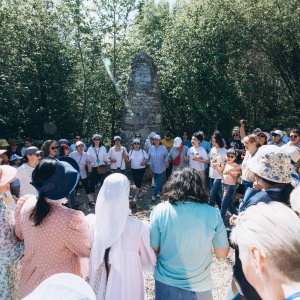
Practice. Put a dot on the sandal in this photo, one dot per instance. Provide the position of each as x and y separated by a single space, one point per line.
92 203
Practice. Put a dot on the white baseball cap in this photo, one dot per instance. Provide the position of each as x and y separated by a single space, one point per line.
177 142
157 136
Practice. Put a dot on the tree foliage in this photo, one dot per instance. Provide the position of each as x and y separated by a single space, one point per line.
64 64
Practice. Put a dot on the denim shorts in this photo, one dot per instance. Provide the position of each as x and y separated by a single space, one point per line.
168 292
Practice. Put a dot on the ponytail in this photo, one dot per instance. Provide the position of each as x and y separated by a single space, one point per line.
40 211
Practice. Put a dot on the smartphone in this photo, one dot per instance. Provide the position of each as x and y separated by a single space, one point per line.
245 122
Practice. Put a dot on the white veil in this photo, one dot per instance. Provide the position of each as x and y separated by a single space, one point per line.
111 216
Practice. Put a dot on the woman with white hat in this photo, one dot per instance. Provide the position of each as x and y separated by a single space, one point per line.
158 164
271 167
98 153
116 156
84 160
177 154
54 236
120 245
11 249
138 159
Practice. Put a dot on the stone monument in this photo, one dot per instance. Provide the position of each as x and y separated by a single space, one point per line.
142 111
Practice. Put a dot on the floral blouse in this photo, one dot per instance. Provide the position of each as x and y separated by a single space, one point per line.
11 250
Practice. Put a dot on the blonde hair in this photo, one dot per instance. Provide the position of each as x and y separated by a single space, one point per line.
295 199
275 230
252 138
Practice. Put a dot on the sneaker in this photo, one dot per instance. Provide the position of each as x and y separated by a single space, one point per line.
153 199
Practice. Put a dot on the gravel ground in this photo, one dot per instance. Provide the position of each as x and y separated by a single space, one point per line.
221 268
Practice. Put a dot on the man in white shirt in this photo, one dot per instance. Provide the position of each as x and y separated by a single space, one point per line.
32 157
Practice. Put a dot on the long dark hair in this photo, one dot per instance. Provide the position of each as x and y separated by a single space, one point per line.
46 147
106 256
185 184
42 171
218 138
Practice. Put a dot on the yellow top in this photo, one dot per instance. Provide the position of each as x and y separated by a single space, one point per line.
168 144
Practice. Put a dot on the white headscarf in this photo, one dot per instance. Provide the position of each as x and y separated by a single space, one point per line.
62 286
111 216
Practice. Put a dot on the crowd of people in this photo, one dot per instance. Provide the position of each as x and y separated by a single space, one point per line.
243 193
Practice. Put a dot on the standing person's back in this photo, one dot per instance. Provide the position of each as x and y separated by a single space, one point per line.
121 245
183 231
54 236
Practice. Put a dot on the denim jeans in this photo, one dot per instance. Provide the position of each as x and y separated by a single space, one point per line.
228 192
215 185
158 179
248 194
168 292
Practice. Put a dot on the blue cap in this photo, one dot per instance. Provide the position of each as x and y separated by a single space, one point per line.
14 157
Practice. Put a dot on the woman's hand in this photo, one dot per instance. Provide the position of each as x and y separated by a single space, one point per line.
144 163
186 158
233 220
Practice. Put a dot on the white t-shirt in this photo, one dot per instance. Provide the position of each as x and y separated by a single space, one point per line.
24 174
216 155
137 157
117 155
199 153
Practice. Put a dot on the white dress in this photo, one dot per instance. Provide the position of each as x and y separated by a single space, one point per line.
137 256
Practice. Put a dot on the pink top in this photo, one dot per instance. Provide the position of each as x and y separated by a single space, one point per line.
228 179
53 247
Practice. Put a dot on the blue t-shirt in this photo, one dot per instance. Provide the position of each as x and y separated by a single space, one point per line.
185 234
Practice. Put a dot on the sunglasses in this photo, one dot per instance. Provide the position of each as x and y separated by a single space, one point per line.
293 136
275 134
230 156
138 136
38 155
136 143
261 135
96 140
54 148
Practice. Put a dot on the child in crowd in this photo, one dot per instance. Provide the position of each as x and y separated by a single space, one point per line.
228 183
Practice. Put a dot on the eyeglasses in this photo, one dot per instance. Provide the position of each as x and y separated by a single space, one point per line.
96 140
275 134
54 148
293 136
230 156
